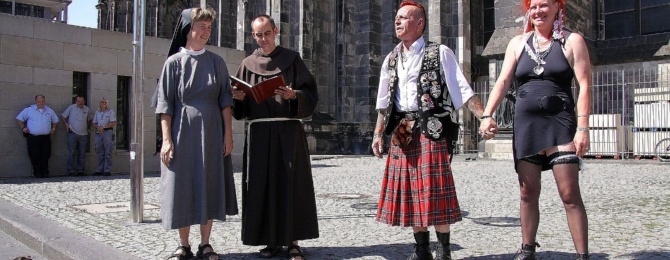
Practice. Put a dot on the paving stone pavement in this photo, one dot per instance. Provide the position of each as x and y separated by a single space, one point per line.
628 205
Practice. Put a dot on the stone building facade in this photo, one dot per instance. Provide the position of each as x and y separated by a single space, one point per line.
60 61
344 43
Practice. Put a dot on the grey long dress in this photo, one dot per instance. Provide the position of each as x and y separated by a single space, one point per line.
198 185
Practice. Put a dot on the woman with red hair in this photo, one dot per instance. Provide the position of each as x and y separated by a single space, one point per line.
548 132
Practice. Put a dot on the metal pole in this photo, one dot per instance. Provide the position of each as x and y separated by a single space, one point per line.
136 145
624 119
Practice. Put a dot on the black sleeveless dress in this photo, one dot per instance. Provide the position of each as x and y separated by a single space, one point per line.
545 109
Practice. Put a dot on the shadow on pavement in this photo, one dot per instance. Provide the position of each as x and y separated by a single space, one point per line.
497 221
647 255
321 165
89 177
402 251
389 251
541 255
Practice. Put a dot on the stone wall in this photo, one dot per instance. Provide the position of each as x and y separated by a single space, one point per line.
39 57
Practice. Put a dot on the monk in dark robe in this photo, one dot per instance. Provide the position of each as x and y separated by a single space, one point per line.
278 204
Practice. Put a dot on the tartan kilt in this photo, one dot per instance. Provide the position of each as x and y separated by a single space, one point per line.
418 188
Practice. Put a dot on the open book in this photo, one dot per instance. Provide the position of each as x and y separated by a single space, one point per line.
260 91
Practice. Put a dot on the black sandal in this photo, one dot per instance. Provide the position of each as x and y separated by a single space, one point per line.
186 253
295 255
269 251
202 255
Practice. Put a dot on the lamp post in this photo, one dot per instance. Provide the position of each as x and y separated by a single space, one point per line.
136 145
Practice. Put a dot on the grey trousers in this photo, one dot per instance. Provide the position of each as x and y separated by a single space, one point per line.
104 144
76 143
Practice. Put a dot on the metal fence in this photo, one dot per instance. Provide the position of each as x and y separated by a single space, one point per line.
630 113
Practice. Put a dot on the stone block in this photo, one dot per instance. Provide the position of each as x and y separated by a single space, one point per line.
31 52
156 46
52 77
124 63
16 166
153 66
89 59
17 96
16 25
112 40
12 132
150 123
61 32
103 82
146 99
496 149
16 74
8 119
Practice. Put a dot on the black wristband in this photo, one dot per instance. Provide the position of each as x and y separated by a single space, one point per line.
485 117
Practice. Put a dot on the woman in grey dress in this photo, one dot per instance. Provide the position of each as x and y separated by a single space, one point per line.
193 101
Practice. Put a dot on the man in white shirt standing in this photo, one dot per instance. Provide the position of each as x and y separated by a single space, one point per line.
77 119
38 123
421 89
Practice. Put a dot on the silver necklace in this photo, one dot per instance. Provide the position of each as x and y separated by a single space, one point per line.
539 56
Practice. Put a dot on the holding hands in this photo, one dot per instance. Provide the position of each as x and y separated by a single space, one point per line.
488 128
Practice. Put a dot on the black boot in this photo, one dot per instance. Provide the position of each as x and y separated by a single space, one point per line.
584 256
527 252
443 252
422 247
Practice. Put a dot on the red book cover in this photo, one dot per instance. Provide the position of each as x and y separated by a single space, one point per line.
260 91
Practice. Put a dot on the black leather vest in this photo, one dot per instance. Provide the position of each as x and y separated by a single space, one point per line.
437 115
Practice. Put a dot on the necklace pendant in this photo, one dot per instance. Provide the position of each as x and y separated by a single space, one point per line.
538 70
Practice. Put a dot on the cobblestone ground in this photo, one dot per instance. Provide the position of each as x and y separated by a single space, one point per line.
627 202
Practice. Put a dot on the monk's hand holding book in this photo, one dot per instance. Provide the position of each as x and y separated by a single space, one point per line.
260 91
285 92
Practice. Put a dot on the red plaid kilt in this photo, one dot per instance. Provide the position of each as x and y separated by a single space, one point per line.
418 188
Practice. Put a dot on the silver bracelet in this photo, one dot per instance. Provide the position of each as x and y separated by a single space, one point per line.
376 135
583 116
583 129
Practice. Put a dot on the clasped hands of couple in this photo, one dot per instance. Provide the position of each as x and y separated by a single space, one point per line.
283 91
488 128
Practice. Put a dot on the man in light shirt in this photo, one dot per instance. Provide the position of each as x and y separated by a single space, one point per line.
38 123
76 119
